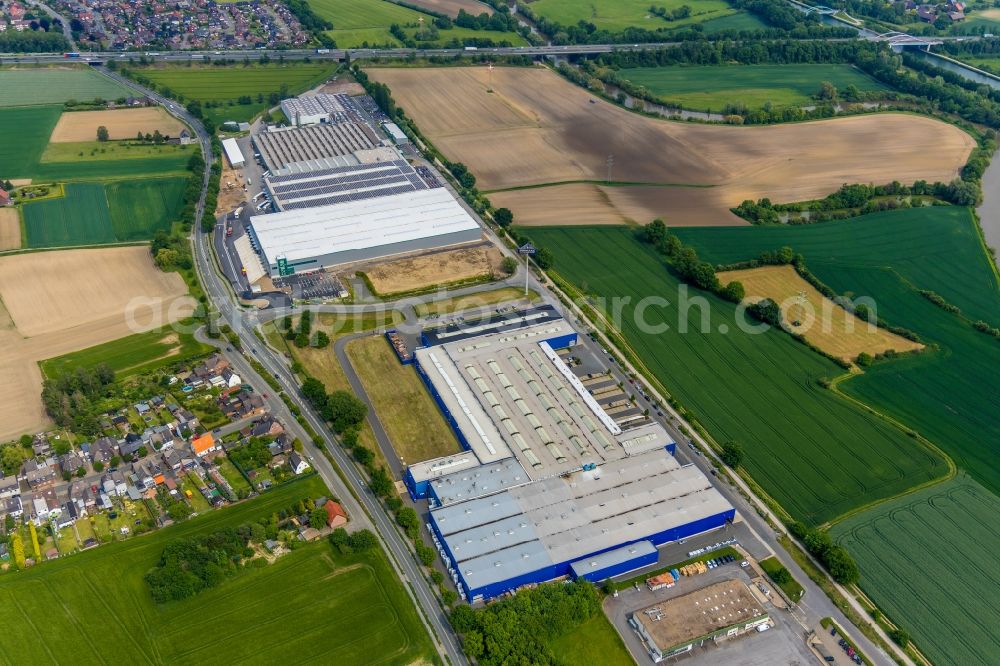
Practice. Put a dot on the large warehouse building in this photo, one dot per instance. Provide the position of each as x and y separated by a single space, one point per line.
282 147
342 179
550 484
319 108
309 239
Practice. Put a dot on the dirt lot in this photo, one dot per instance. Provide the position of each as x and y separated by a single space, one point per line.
10 229
343 88
428 270
121 124
823 323
537 128
451 7
57 302
231 198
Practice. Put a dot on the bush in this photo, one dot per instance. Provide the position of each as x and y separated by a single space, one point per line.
732 453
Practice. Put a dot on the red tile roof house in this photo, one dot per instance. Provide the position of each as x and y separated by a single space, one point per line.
335 514
4 197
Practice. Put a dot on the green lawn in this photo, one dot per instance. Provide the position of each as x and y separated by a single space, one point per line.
81 217
818 455
949 395
929 561
359 22
322 607
137 354
232 475
714 86
739 21
791 588
593 642
33 86
221 87
140 208
618 15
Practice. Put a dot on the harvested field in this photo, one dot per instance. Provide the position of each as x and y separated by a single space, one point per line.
427 270
590 203
822 322
10 229
451 7
64 301
537 128
121 124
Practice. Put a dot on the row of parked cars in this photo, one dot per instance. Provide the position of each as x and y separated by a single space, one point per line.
719 561
846 647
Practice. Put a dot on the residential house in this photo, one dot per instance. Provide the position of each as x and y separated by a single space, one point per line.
67 515
38 475
335 514
40 446
297 462
4 197
121 483
71 462
185 419
232 380
172 459
267 427
204 445
130 446
12 507
9 486
103 450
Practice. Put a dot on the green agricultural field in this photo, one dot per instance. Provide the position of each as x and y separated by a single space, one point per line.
714 86
948 395
33 86
81 217
619 15
137 354
739 21
140 208
360 22
219 88
315 604
24 133
929 561
817 454
96 213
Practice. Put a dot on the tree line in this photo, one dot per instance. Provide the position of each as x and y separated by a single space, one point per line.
71 398
32 41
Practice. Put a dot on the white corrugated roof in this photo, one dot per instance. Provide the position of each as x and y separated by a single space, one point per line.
233 151
309 232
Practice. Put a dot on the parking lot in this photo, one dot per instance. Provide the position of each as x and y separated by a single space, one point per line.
317 286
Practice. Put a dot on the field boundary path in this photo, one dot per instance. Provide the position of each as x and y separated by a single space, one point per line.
351 488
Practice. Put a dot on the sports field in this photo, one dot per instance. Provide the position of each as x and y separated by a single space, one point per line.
132 355
949 395
356 22
96 213
619 15
536 128
807 312
31 86
929 561
818 455
322 607
409 415
711 87
222 86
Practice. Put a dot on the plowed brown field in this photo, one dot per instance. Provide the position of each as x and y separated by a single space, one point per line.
537 128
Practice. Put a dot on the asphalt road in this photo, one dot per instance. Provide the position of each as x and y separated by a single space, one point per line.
363 506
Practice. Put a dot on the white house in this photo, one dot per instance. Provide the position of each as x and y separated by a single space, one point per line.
297 463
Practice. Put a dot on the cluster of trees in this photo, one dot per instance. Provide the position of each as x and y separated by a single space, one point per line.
732 453
675 14
170 251
251 455
304 335
462 174
766 311
518 629
685 261
69 398
837 561
33 41
189 566
358 542
307 17
938 300
343 410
